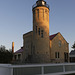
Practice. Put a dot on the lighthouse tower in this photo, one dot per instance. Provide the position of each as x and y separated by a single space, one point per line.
41 45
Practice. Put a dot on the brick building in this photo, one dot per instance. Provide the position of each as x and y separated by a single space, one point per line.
38 46
59 48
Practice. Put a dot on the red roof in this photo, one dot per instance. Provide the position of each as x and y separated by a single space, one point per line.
19 51
52 36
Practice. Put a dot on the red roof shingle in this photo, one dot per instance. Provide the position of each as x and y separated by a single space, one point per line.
52 36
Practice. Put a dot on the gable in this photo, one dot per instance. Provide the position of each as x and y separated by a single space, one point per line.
52 36
59 37
19 51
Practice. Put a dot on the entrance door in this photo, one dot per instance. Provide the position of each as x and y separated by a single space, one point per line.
65 57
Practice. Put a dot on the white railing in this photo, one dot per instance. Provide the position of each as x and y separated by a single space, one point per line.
37 69
5 69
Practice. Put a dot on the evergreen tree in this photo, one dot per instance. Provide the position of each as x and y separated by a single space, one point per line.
5 55
73 46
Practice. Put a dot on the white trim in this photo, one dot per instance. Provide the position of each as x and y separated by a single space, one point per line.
42 70
40 65
63 68
6 67
11 71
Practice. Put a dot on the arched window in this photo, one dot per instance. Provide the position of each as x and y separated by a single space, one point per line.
59 43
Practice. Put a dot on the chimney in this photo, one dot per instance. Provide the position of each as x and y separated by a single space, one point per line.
12 47
21 47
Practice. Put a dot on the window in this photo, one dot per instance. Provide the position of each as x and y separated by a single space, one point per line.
59 43
36 29
43 14
19 56
56 54
15 57
46 14
39 31
42 33
38 13
45 10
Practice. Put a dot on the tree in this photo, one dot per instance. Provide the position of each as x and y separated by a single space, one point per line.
73 46
5 55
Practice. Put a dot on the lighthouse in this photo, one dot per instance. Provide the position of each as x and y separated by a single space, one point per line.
41 42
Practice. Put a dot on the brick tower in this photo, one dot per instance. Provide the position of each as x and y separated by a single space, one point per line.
41 46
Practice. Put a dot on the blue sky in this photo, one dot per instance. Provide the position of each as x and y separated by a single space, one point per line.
16 19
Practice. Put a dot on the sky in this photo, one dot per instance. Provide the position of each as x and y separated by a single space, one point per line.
16 19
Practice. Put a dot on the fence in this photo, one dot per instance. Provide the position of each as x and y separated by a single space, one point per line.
5 69
37 69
